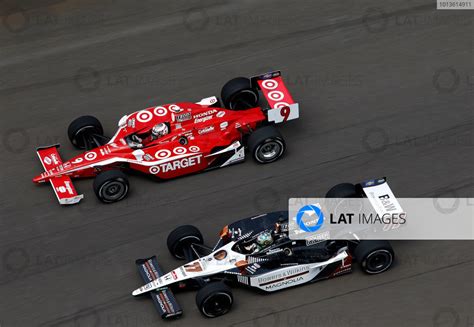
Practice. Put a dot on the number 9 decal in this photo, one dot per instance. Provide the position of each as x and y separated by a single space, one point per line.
285 112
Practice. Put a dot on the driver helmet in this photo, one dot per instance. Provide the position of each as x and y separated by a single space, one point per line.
159 130
265 239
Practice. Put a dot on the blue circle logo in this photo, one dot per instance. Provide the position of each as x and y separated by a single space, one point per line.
312 209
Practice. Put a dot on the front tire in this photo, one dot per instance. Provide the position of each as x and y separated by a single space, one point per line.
374 256
81 130
238 94
181 237
266 145
214 299
111 186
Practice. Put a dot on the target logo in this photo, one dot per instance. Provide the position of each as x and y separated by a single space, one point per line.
194 148
174 108
47 160
276 95
90 156
179 150
144 116
160 111
154 170
270 84
162 154
281 105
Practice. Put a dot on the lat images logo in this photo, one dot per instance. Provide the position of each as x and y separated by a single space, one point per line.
314 220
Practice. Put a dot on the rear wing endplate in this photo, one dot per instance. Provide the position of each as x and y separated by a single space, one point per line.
282 105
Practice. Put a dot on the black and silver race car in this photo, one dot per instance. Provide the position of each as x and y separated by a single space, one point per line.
256 252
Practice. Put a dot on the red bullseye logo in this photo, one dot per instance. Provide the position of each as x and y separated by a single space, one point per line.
276 95
281 104
162 154
144 116
194 148
154 170
179 150
174 108
270 84
160 111
90 156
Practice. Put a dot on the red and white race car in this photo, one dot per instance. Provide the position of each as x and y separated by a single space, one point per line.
175 139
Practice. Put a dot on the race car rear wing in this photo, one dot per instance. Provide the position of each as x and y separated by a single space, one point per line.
62 185
163 298
282 106
381 196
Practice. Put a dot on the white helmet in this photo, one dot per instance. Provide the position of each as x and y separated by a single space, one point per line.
159 130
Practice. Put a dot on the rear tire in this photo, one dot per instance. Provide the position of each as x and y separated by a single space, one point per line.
344 190
111 186
214 299
374 256
183 236
266 144
82 127
238 94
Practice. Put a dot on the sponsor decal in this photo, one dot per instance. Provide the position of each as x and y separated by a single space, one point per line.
284 283
65 188
281 104
193 267
175 108
55 159
160 111
180 164
206 113
270 84
78 160
175 277
162 154
154 170
206 130
148 157
220 114
131 123
194 148
90 156
202 120
182 271
224 125
276 95
47 161
144 116
183 117
179 150
281 275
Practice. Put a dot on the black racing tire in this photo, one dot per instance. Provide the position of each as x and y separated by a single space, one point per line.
266 144
214 299
343 190
374 256
83 126
111 186
238 94
182 236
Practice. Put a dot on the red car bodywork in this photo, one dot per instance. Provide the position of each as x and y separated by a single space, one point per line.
199 134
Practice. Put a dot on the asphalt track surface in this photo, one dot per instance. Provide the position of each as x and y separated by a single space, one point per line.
385 88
